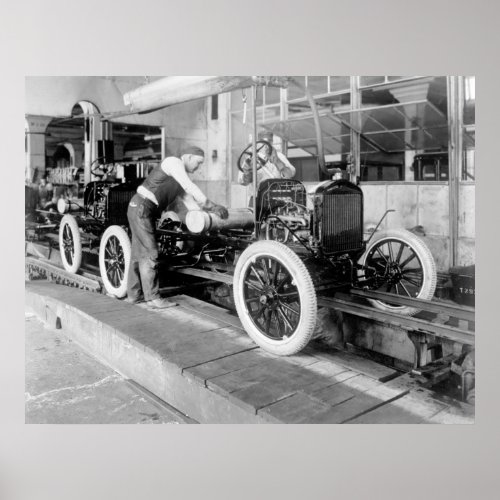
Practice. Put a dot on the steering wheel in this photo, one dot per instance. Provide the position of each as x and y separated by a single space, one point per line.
246 155
101 171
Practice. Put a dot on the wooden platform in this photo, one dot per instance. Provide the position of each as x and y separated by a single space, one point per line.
198 358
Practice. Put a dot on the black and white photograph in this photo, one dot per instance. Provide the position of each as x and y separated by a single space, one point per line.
250 249
281 284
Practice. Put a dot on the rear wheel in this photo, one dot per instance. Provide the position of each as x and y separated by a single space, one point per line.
404 266
70 244
275 297
114 260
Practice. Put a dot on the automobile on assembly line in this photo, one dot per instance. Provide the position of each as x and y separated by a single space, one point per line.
277 256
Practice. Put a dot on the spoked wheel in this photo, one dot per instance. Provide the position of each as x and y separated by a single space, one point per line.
101 170
70 244
404 266
114 260
246 155
275 297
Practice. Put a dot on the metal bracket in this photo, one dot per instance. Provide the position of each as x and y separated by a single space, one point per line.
421 343
377 226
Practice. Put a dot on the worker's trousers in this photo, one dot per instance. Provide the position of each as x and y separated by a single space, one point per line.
143 271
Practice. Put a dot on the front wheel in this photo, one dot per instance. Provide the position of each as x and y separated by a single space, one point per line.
70 244
114 260
403 265
275 297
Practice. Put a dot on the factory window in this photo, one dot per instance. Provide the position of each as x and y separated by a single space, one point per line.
469 130
295 91
271 95
330 94
317 84
469 164
267 102
368 81
388 123
307 169
470 88
338 83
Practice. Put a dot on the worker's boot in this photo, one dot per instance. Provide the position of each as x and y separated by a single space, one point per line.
134 300
161 303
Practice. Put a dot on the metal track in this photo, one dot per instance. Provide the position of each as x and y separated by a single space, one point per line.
89 278
455 311
41 268
345 303
398 321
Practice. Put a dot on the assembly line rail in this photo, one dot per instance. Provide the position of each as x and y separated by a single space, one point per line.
344 302
341 302
409 323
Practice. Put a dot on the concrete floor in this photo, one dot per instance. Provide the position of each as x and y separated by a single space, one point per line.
65 385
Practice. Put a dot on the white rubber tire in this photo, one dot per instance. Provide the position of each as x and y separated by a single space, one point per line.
115 245
301 279
68 230
425 259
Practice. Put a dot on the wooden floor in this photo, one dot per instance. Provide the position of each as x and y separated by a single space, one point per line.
197 358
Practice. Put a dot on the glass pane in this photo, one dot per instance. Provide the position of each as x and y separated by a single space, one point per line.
366 147
295 92
317 84
237 99
298 108
469 132
388 141
381 119
270 113
469 165
272 95
260 96
470 88
307 169
339 83
394 78
419 125
369 174
469 100
371 80
469 155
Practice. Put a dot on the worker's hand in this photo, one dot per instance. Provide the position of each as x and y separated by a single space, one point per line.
220 210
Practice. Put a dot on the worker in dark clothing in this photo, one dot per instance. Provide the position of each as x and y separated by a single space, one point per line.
157 192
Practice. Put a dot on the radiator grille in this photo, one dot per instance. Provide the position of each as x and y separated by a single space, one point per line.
117 207
342 222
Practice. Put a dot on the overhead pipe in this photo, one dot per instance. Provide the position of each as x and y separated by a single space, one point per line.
177 89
